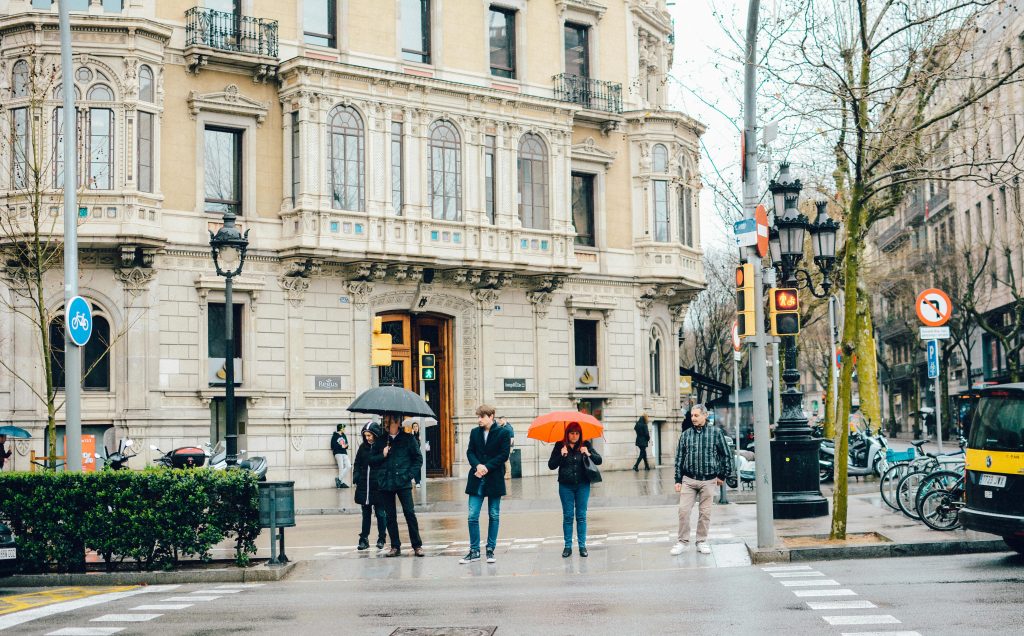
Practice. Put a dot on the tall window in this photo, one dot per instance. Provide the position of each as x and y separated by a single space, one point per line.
583 208
144 151
101 140
296 142
661 211
686 216
20 79
445 165
416 30
655 360
215 331
659 158
533 182
577 50
20 148
397 171
489 176
502 30
347 159
223 170
95 355
146 92
320 22
585 354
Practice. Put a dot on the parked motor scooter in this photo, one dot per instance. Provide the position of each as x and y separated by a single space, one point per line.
746 469
118 460
219 461
184 457
866 456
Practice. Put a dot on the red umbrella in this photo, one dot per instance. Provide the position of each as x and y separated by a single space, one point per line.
551 426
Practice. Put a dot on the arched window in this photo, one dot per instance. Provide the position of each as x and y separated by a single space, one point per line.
100 93
95 354
659 158
445 165
100 138
348 166
146 92
655 359
533 182
19 85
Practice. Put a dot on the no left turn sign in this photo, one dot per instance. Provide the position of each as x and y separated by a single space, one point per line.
934 307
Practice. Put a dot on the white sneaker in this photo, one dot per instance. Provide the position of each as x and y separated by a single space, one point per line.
703 548
678 549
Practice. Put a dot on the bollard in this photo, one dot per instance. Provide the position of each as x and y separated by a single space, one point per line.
722 497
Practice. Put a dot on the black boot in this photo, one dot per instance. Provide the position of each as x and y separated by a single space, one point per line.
363 544
636 467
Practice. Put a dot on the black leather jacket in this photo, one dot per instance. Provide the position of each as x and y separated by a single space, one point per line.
570 468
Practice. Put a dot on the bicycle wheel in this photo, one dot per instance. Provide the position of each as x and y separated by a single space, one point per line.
906 492
938 480
890 479
940 510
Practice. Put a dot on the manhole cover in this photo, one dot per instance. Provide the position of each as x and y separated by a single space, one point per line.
445 631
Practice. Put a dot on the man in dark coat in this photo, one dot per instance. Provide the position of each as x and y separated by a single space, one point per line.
397 457
643 438
487 451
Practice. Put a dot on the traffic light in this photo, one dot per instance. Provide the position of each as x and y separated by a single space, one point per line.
745 300
380 355
427 370
784 311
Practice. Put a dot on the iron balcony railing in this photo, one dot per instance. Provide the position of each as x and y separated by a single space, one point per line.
589 93
938 201
230 32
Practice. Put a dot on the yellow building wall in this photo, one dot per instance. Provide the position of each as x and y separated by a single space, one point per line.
618 206
377 33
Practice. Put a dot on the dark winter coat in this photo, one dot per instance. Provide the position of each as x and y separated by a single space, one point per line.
364 476
570 468
492 455
643 434
336 447
401 466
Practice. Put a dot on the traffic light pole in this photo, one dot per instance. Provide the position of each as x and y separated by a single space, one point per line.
423 449
758 359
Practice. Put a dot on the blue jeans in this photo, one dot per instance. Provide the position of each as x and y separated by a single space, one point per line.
476 502
574 499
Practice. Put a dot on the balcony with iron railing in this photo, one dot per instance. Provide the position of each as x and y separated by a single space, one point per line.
890 236
228 38
915 207
591 94
938 201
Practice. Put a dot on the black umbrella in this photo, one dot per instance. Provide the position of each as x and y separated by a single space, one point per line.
390 400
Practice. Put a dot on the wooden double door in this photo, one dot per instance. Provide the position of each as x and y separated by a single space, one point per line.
407 331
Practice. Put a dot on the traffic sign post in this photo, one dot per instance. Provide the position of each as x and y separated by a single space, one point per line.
933 359
934 309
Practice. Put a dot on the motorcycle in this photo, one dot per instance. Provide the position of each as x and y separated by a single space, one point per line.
219 461
118 460
866 456
183 457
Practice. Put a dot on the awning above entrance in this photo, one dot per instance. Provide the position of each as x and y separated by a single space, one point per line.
705 390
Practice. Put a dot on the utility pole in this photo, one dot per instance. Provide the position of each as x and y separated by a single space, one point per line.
72 352
758 359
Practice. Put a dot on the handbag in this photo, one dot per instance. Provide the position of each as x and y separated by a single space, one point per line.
593 474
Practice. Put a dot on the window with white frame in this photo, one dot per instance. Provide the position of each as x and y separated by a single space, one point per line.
583 208
445 171
223 169
397 169
415 31
147 119
347 159
533 182
655 361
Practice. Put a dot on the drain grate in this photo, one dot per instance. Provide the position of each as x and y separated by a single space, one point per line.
445 631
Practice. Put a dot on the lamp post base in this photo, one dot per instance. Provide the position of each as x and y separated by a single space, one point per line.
795 476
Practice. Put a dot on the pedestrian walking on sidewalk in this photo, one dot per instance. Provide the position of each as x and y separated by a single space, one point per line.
367 490
569 458
397 457
339 446
643 438
703 462
487 452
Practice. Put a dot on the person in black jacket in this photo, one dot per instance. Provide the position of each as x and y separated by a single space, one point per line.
398 458
339 446
367 490
643 438
487 452
573 484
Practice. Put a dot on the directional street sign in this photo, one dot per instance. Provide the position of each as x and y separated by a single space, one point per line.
746 232
934 307
933 358
78 320
934 333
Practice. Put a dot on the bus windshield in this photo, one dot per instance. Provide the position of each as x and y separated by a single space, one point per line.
998 423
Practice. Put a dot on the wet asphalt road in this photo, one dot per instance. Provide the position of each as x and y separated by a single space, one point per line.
977 594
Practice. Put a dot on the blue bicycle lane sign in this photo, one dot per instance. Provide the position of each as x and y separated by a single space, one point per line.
78 320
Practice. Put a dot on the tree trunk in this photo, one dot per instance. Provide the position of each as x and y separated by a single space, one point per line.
829 427
867 366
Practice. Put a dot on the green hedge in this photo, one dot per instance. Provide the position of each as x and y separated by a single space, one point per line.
149 519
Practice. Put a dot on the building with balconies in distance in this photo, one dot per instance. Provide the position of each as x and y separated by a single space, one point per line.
504 180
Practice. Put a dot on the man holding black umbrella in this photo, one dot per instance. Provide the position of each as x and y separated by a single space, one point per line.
397 458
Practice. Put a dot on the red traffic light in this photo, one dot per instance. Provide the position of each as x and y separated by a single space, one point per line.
786 299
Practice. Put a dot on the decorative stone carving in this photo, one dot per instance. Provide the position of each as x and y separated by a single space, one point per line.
541 301
486 297
360 292
229 101
134 279
294 287
589 151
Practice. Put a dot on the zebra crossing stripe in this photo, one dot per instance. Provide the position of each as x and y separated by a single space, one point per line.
876 619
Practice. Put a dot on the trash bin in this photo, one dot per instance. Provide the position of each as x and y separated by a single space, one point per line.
516 462
282 495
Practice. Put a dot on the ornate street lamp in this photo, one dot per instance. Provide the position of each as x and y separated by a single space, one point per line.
229 246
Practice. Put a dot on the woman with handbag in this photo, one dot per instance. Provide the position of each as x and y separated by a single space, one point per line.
576 462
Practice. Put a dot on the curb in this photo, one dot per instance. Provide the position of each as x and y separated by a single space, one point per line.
517 505
258 574
874 551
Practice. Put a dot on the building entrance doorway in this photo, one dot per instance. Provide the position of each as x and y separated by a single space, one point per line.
407 331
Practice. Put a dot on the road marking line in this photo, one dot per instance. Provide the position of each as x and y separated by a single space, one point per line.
86 631
326 554
228 589
10 620
881 634
838 605
809 593
875 619
808 582
166 606
784 575
786 568
125 618
238 585
186 599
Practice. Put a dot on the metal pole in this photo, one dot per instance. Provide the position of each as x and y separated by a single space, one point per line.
776 382
758 379
938 401
423 449
834 398
231 434
72 352
736 394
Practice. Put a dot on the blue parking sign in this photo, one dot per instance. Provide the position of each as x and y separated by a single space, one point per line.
933 358
78 320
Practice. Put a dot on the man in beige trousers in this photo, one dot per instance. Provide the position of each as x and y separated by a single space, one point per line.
703 462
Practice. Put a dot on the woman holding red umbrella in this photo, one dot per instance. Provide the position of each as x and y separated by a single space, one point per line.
570 457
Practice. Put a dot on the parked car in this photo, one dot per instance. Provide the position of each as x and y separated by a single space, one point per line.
8 552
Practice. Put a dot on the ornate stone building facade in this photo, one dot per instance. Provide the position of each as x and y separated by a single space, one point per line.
500 179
